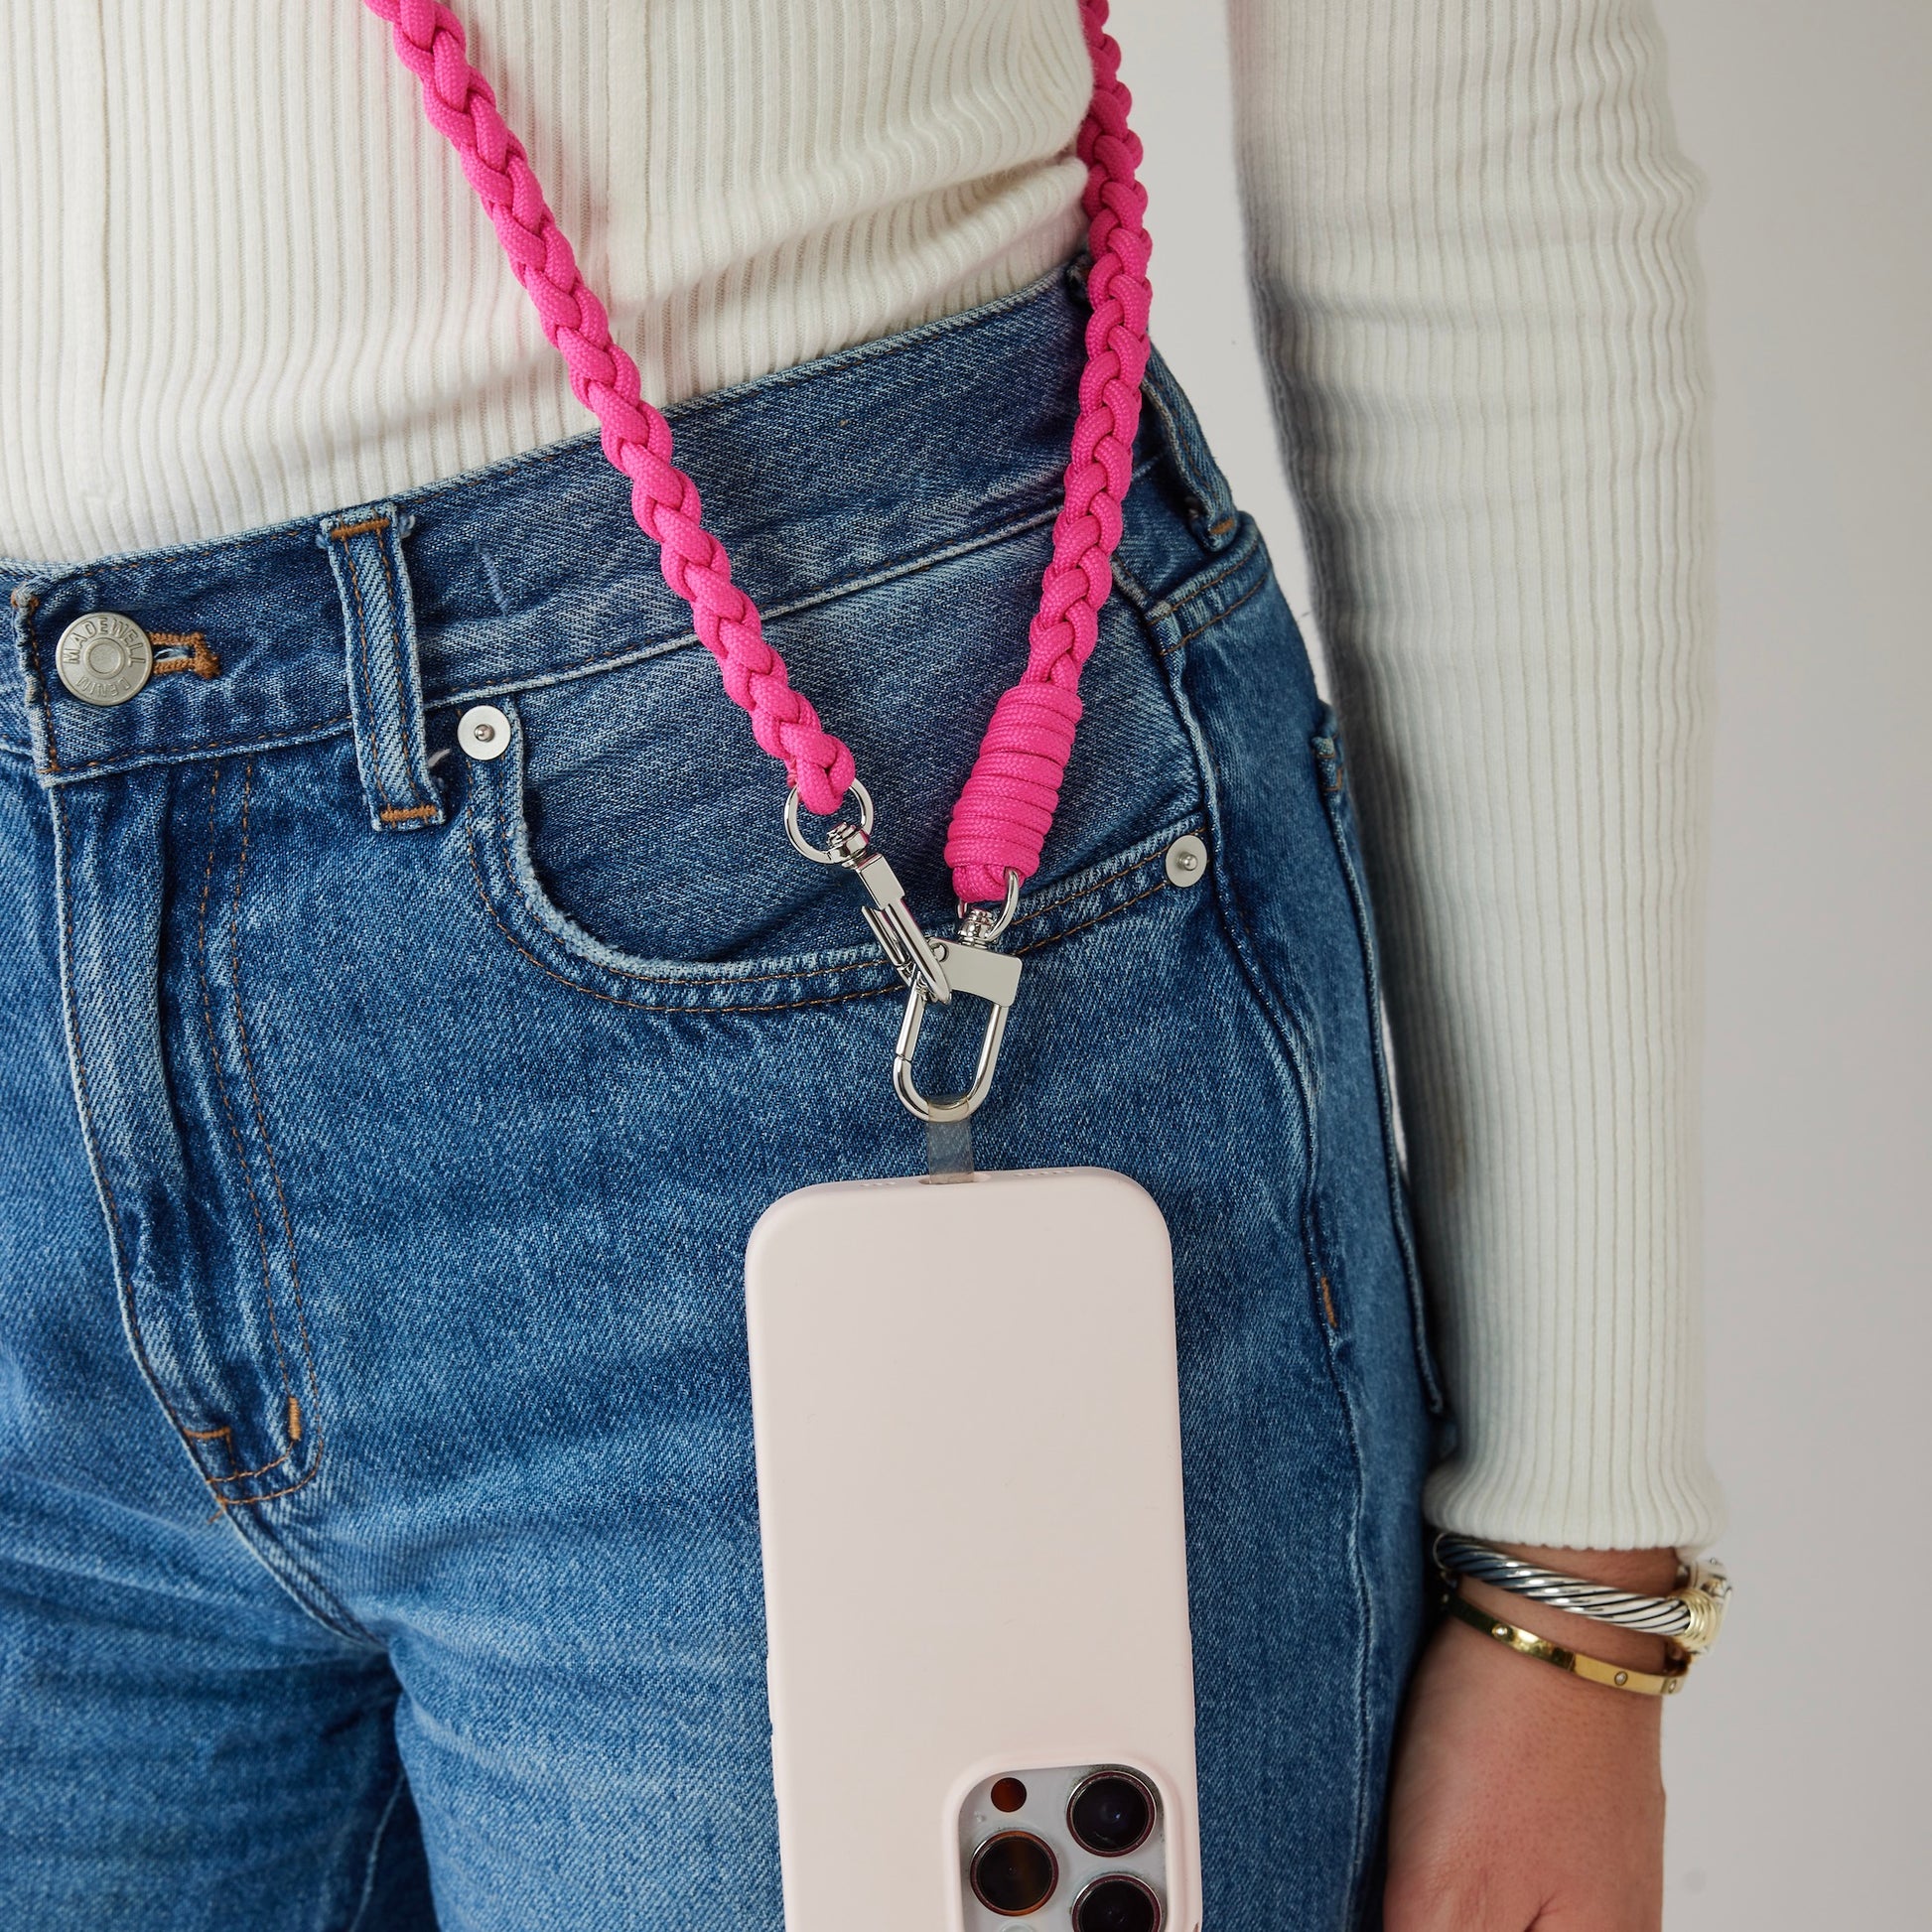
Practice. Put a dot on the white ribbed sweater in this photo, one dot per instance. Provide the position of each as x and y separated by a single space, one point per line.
245 282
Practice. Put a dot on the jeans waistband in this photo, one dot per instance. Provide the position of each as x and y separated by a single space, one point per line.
817 478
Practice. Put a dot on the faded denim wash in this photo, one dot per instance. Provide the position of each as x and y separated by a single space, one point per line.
380 1131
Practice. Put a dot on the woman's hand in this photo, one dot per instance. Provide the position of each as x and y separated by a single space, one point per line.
1524 1796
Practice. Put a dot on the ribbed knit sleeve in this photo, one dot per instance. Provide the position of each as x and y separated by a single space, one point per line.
1471 246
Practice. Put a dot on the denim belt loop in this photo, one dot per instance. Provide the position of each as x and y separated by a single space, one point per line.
385 684
1211 503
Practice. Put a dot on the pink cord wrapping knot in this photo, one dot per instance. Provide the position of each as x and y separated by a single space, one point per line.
1008 803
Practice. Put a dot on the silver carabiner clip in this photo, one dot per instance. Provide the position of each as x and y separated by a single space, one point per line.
971 966
932 969
914 958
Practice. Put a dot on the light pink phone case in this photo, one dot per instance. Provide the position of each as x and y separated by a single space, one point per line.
969 1484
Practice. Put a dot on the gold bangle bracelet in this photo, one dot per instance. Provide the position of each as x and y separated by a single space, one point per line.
1526 1643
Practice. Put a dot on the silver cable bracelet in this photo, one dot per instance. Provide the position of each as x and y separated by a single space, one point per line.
1690 1617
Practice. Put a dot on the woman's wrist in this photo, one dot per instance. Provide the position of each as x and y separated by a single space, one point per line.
1525 1796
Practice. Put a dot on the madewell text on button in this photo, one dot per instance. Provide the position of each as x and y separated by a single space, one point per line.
103 658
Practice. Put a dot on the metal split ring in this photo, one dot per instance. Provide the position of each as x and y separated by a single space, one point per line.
984 935
825 855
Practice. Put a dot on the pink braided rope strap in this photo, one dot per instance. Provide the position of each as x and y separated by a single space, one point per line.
1007 806
636 438
1008 803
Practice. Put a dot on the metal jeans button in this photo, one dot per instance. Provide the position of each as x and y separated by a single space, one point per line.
103 658
1186 861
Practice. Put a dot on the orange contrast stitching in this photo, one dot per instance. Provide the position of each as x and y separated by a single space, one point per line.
248 1475
1081 892
125 760
402 683
197 657
363 638
361 529
1192 592
268 1496
221 1085
664 979
234 1475
891 571
1105 913
644 1006
124 1279
268 1145
27 608
777 1005
761 979
1328 1304
1220 616
401 815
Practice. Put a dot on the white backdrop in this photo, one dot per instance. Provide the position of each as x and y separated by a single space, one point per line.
1797 1758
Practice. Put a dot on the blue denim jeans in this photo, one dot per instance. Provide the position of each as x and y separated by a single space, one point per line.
380 1130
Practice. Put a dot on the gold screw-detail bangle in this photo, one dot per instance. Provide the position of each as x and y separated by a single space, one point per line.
1526 1643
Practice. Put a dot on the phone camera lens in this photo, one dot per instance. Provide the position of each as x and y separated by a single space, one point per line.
1015 1874
1111 1814
1117 1904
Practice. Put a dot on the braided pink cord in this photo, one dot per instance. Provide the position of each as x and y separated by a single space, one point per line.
636 439
1007 806
1008 803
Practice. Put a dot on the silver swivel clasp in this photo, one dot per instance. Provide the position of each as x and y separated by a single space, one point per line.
932 969
913 956
973 967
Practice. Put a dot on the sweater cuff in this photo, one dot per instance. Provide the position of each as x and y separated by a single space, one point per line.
1564 1474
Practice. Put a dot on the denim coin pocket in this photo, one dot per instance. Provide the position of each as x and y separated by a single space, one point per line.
632 831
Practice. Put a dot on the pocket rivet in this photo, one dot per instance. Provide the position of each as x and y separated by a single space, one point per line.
483 732
1186 861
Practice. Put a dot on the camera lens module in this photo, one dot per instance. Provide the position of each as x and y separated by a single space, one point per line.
1116 1903
1111 1814
1015 1873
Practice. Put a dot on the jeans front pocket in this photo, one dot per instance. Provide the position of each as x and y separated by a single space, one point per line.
494 832
630 835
